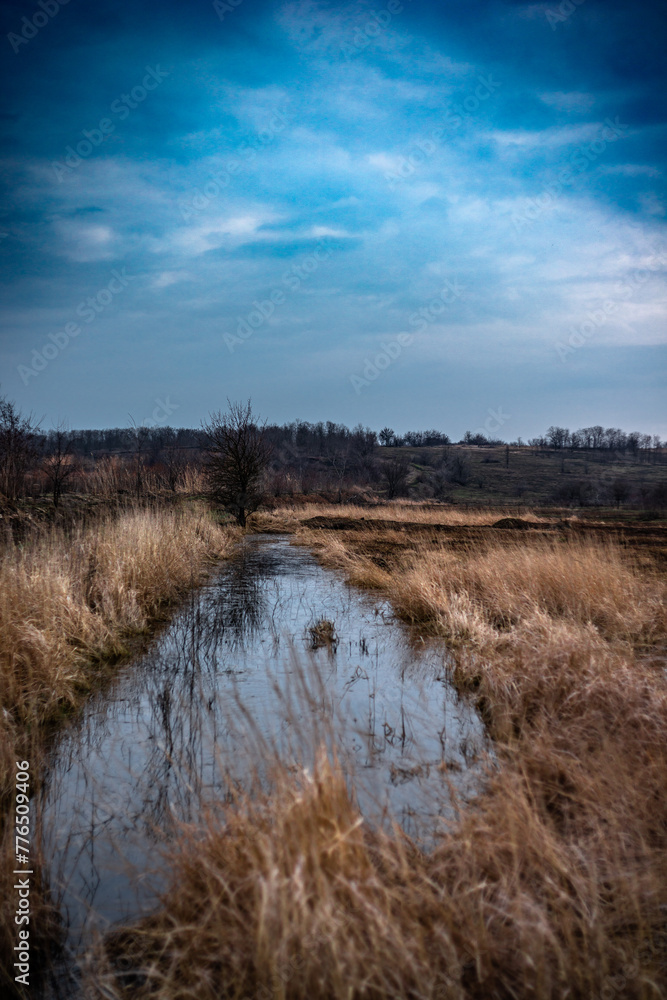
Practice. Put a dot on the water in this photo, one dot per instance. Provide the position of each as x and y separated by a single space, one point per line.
168 732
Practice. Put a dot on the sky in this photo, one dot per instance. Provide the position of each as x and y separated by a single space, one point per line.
409 213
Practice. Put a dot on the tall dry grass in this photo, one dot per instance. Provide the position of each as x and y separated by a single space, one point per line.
551 884
67 601
405 511
529 587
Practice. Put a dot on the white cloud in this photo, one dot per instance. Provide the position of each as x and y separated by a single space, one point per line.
548 138
84 242
652 204
166 278
631 169
573 100
210 233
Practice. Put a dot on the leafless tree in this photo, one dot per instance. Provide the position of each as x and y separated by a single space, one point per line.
18 449
339 462
237 455
395 474
59 463
140 437
175 461
459 469
620 491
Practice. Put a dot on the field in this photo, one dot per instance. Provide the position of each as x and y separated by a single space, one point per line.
72 601
526 476
551 882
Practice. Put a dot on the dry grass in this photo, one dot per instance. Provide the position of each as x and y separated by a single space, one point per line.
67 601
551 884
530 586
113 478
338 550
404 511
323 634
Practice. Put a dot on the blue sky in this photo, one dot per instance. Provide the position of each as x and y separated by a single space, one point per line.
408 213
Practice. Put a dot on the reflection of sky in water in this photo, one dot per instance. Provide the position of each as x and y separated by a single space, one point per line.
169 727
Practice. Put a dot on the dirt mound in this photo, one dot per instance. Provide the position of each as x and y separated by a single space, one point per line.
511 522
377 524
350 523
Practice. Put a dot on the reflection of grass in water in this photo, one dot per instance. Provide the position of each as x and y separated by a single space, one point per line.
548 884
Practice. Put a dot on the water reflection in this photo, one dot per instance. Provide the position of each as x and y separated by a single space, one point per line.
170 730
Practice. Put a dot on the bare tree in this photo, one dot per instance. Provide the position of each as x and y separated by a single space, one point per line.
620 491
395 474
386 436
140 439
339 460
237 453
18 449
59 462
558 437
364 440
175 461
459 469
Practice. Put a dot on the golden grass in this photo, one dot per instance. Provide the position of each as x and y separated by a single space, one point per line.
531 585
406 511
69 600
551 884
335 550
548 886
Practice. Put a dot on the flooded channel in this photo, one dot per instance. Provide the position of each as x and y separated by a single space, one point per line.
169 732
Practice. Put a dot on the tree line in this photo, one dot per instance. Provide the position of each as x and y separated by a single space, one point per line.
297 457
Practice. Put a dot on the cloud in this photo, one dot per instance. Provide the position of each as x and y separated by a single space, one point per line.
83 242
569 101
554 137
210 216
